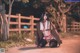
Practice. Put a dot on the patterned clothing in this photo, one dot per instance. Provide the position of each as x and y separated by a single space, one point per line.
46 30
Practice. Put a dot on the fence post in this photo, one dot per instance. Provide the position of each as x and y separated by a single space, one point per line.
32 26
19 25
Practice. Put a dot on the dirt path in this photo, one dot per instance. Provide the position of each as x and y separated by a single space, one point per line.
69 46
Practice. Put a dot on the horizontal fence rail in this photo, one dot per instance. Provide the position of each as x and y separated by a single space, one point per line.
73 27
17 23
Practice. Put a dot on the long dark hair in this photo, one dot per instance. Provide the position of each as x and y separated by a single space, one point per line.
43 14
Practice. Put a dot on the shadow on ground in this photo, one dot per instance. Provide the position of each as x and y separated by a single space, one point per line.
31 48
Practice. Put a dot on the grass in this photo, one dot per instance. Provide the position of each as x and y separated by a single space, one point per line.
16 40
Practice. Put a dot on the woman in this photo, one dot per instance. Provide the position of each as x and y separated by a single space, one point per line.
46 32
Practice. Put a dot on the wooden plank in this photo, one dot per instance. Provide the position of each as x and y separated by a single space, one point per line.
25 23
73 25
73 28
19 23
13 29
32 25
21 29
23 17
36 19
75 22
35 23
13 23
26 29
13 16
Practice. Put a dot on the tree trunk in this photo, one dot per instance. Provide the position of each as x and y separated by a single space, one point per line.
63 22
4 21
10 9
5 25
4 28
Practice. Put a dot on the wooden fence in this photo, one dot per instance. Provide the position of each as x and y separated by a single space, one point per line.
73 27
16 23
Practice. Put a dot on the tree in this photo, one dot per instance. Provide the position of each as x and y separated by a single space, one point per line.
63 16
64 8
4 21
58 12
10 9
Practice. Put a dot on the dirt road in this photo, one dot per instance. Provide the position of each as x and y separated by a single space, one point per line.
70 45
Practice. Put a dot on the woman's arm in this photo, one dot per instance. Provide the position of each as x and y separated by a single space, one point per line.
55 33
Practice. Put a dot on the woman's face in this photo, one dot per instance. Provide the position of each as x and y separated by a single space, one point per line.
45 17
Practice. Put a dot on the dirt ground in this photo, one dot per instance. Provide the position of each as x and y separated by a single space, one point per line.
69 45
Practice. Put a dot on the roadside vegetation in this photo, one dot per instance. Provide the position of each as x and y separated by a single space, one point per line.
16 39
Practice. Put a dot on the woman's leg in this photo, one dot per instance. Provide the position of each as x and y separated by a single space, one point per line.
43 43
53 43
